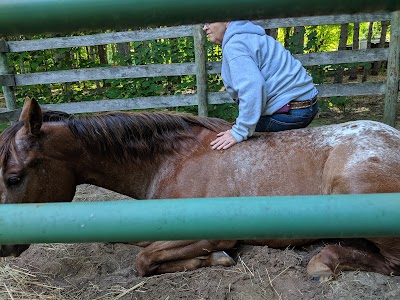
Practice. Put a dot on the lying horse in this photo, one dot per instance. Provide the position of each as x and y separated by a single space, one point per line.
45 155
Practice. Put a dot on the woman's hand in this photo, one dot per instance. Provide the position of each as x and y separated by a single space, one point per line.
223 141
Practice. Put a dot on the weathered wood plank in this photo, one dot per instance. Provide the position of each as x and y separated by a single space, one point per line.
179 31
4 46
140 71
343 56
111 105
125 104
176 69
325 90
9 115
327 58
322 20
351 89
7 80
100 39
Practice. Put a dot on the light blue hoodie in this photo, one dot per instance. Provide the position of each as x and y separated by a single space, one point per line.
260 74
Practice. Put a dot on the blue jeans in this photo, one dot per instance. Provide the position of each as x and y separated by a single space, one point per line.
293 119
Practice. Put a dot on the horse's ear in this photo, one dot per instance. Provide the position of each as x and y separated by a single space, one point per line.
32 117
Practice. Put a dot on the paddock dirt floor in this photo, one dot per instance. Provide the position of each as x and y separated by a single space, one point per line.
106 271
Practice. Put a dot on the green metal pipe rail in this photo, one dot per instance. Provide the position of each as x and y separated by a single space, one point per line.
339 216
41 16
326 216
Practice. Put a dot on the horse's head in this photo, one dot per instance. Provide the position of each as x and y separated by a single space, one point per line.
34 167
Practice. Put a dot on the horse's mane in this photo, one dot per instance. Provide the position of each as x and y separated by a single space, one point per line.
138 135
122 135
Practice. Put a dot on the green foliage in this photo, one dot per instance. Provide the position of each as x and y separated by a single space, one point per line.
163 51
227 111
341 103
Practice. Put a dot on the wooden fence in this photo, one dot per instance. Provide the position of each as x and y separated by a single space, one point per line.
200 68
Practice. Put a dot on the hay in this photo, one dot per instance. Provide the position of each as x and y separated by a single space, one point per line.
21 284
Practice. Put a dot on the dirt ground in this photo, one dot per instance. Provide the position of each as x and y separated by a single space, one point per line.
106 271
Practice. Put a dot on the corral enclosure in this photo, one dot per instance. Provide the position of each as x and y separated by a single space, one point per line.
154 84
104 271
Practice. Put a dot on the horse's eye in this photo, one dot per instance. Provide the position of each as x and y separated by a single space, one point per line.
13 180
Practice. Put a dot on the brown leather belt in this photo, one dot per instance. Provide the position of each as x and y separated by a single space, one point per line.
303 104
296 105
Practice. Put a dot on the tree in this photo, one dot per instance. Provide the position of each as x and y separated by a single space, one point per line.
356 46
273 32
344 34
382 41
369 38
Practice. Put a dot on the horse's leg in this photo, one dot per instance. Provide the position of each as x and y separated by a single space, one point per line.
176 256
382 258
343 174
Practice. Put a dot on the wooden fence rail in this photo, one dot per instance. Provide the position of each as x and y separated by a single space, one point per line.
200 68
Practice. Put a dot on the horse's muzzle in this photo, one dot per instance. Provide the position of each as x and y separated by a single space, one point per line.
12 250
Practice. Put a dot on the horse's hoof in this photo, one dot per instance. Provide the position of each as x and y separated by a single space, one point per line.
319 271
220 258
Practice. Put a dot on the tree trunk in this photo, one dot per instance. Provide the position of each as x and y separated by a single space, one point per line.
377 64
369 37
287 37
344 34
299 32
102 52
92 54
356 41
273 32
124 51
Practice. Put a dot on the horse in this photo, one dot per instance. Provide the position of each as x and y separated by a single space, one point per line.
159 155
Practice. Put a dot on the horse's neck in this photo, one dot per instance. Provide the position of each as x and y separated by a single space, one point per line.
135 177
154 177
129 178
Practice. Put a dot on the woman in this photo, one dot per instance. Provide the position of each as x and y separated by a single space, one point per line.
272 88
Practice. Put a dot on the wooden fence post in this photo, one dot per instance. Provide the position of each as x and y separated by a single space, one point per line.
8 91
200 55
393 66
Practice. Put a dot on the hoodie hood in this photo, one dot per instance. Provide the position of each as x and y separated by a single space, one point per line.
239 27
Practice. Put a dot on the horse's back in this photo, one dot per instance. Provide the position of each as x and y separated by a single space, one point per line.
351 157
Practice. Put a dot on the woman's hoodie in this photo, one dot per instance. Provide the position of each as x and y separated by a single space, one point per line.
260 74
